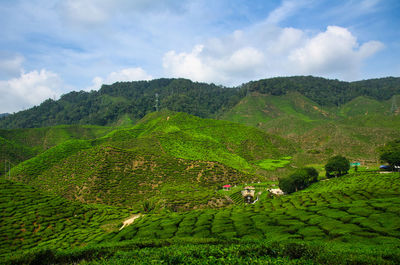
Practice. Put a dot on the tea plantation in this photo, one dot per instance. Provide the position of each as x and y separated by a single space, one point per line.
65 203
354 219
35 219
359 208
175 160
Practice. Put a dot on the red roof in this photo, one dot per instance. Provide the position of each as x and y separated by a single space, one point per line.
227 186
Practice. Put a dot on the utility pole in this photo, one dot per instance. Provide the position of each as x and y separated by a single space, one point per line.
5 168
394 105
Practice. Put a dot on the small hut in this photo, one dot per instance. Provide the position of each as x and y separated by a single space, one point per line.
227 187
277 191
248 194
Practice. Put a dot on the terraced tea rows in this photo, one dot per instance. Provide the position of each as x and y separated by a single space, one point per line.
174 159
322 212
34 219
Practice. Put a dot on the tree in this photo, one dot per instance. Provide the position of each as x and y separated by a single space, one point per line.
300 179
337 166
390 153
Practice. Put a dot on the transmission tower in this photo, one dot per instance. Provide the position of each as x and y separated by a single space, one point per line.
156 102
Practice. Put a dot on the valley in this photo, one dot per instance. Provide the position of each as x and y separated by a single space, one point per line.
102 177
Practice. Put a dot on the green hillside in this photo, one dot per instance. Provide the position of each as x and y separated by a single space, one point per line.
356 129
361 211
34 219
110 158
358 208
18 145
174 160
349 220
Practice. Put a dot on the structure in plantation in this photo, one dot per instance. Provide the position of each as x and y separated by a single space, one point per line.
248 194
227 187
276 191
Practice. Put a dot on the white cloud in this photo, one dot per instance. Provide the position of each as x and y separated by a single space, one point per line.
128 74
334 51
266 50
29 89
190 65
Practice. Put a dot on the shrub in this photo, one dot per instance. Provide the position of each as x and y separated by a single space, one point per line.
299 180
390 153
337 166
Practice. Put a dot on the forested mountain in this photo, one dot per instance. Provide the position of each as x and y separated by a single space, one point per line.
130 101
327 92
126 101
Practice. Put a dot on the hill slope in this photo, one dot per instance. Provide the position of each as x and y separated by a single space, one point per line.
35 219
18 145
349 220
356 128
173 159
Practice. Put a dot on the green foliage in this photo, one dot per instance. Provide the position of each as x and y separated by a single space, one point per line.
328 92
390 153
351 220
32 218
175 159
148 206
21 144
31 168
126 101
343 210
337 166
299 180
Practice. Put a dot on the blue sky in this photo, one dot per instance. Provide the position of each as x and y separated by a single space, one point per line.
48 48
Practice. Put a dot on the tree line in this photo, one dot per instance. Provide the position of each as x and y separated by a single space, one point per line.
136 99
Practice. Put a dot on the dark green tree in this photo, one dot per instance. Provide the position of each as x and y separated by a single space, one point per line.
337 166
390 153
300 179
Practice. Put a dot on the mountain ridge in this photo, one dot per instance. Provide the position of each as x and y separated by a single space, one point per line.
112 103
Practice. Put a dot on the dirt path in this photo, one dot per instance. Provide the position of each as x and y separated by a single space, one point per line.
130 220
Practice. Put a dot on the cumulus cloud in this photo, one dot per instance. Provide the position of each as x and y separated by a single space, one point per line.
128 74
334 51
267 50
212 65
29 89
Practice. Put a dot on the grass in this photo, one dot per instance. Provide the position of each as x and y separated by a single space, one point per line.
272 164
